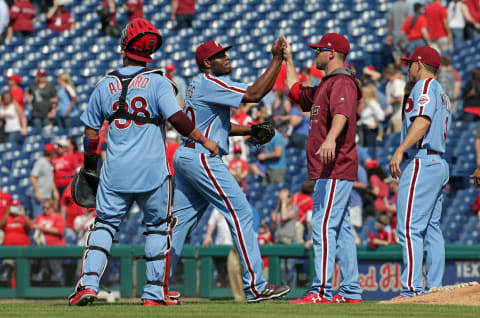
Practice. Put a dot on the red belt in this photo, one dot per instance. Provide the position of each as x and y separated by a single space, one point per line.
190 144
429 152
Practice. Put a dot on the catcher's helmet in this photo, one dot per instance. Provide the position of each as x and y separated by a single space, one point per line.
140 38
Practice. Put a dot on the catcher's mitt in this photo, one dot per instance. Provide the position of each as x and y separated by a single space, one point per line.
261 133
84 188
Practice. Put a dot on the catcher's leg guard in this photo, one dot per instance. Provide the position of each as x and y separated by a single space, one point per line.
95 255
157 250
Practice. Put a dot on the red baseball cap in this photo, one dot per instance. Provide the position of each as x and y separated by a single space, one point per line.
41 72
237 148
425 55
50 148
170 67
16 78
209 49
334 41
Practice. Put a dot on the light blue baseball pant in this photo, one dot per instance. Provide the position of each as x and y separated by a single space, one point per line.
111 208
419 208
331 230
201 180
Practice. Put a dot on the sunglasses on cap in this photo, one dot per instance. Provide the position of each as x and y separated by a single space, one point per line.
322 49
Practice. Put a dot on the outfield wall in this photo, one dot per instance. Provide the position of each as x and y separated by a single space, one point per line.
380 270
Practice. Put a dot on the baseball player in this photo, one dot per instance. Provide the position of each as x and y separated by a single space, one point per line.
135 168
423 173
332 164
202 180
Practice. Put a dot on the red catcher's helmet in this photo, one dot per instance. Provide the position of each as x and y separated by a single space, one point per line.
140 38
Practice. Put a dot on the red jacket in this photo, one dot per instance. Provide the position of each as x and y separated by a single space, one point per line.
22 15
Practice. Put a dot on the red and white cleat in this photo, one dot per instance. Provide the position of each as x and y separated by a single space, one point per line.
82 296
310 298
341 299
173 294
166 302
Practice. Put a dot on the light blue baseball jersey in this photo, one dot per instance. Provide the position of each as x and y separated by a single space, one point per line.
135 160
428 99
207 104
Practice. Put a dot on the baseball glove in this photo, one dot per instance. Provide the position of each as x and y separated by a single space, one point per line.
261 133
84 188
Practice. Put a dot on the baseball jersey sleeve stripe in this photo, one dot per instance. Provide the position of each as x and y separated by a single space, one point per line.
224 85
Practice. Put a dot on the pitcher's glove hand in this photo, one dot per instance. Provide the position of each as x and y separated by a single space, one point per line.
84 188
261 133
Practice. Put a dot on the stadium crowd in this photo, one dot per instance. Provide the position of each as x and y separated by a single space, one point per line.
50 214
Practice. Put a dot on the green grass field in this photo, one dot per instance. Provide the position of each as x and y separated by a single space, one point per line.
205 308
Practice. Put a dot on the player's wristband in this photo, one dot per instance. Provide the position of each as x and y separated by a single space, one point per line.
90 145
202 140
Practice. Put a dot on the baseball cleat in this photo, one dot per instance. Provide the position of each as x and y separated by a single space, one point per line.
166 302
173 294
341 299
82 296
270 292
310 298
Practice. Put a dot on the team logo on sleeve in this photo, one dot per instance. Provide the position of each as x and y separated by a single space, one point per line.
423 100
408 105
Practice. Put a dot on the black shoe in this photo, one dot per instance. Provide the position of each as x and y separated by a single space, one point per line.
270 292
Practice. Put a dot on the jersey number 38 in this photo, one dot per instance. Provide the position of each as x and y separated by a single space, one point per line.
137 106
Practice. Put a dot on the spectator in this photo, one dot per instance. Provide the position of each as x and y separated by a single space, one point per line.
183 11
66 100
240 116
5 201
22 14
238 167
456 21
450 80
43 187
256 111
218 224
275 159
69 209
17 92
397 14
265 238
471 97
471 12
72 149
181 84
438 26
42 95
385 234
82 225
171 147
356 201
280 110
49 230
391 202
378 187
304 202
394 94
59 19
4 19
284 218
64 166
107 14
13 118
415 28
477 147
371 116
300 125
15 226
134 9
